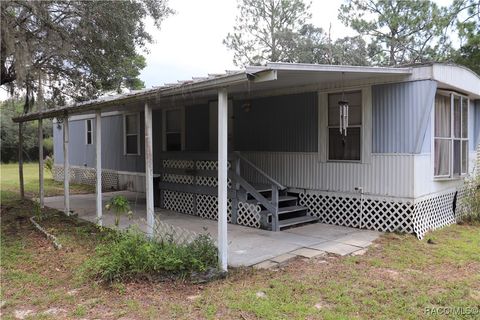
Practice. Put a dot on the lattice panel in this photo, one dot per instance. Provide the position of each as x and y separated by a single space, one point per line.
434 212
85 175
207 207
179 201
164 232
249 214
369 213
211 181
383 215
209 165
344 211
178 164
178 178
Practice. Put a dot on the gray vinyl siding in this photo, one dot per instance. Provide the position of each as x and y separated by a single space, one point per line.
197 128
282 123
113 156
401 115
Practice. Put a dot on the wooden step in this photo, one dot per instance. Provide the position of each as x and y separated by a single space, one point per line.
296 221
290 209
262 187
280 199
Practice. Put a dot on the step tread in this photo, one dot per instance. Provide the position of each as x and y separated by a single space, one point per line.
280 199
291 209
297 220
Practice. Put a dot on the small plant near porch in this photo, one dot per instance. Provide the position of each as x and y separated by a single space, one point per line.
472 200
120 206
131 255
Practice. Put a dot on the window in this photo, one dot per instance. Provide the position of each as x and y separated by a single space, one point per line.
341 147
132 134
88 131
173 130
450 136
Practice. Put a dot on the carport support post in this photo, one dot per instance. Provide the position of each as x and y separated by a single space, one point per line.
98 165
66 167
20 160
222 177
149 169
40 164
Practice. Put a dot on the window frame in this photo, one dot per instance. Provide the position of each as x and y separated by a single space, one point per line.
451 175
87 131
361 126
125 115
182 128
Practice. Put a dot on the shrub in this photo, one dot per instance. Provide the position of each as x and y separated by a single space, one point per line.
49 164
129 254
119 205
472 200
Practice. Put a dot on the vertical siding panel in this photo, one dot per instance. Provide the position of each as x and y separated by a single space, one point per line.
398 111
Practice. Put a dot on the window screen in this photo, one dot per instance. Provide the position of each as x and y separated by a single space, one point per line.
89 131
341 147
173 130
451 136
131 134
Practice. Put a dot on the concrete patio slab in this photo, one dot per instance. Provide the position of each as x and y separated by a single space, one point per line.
283 258
308 253
246 246
336 247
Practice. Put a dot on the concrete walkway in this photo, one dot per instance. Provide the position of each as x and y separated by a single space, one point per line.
247 246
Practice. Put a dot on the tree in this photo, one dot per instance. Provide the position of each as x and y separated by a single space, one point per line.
265 30
400 31
468 25
75 49
9 133
314 45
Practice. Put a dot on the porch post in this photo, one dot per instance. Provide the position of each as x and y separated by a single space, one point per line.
222 177
40 164
20 160
66 166
149 169
98 165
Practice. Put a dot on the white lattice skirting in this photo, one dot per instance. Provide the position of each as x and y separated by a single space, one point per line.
385 214
206 206
86 175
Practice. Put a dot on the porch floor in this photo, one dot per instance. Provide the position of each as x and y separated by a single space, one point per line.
246 246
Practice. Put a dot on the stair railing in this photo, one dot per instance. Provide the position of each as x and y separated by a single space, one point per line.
271 206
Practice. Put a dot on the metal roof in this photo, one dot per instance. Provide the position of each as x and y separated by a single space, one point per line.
271 76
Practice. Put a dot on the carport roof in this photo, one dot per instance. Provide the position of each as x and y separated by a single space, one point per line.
271 76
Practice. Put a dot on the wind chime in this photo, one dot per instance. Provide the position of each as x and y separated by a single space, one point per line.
343 112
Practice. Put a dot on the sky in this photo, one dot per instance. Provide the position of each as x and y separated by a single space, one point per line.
189 43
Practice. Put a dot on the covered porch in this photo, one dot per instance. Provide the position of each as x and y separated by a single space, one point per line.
246 246
220 182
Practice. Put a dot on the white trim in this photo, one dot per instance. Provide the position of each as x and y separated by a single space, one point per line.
92 115
125 134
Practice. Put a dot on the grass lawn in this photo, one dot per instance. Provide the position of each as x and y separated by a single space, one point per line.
397 278
9 183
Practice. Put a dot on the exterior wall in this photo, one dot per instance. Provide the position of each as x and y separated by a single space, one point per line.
386 175
400 116
277 124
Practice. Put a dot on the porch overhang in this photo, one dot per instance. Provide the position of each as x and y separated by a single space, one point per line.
273 76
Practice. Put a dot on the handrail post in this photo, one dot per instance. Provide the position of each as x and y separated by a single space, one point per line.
236 188
275 226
